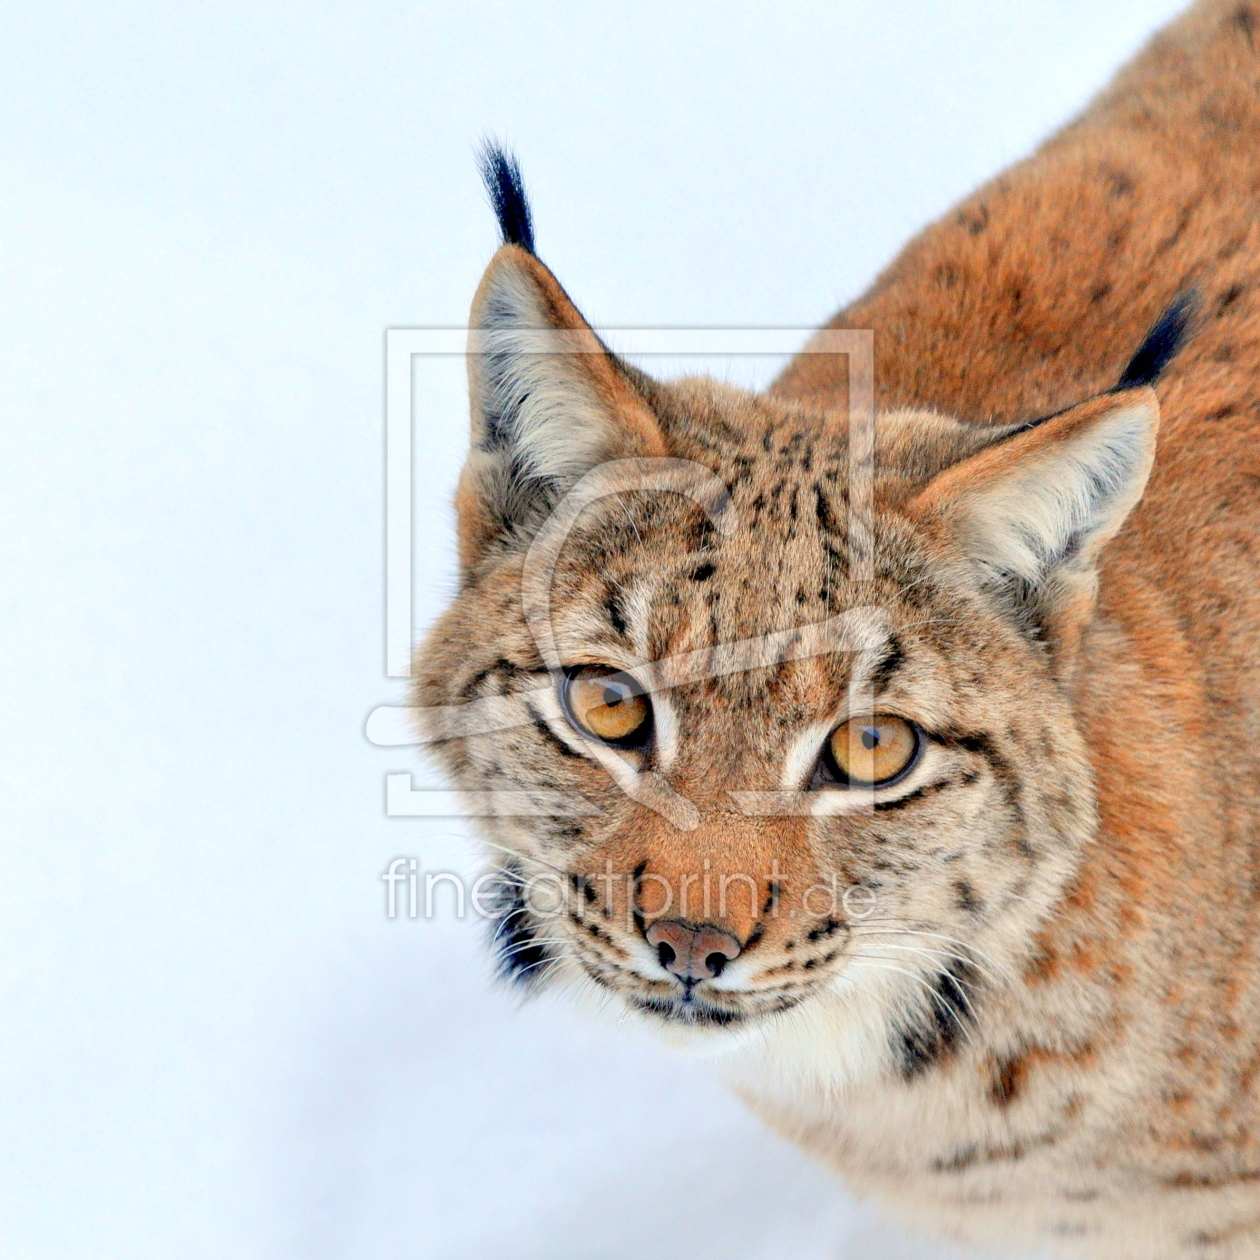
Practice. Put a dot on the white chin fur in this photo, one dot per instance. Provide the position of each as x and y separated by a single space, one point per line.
831 1042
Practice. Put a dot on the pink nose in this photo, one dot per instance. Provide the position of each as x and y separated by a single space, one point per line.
692 954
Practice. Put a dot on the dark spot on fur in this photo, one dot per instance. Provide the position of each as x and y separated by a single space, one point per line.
501 668
551 737
522 959
616 614
1229 297
829 928
704 573
893 659
975 221
1008 1079
1192 1181
968 902
929 1035
1245 19
1006 777
968 1156
1120 183
822 509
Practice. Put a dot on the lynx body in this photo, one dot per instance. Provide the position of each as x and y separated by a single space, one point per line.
1039 1023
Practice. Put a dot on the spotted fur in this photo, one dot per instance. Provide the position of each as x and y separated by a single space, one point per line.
1044 1030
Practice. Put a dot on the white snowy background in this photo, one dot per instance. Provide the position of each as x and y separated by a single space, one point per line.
214 1043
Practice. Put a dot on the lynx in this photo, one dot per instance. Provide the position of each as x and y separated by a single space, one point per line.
911 772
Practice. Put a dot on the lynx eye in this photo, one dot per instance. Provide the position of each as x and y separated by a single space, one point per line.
872 752
606 704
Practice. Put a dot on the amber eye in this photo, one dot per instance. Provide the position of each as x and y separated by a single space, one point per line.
872 751
605 703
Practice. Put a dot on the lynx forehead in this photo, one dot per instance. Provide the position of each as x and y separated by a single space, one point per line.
927 807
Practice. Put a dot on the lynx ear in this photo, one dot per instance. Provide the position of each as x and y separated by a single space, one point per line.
549 402
1034 511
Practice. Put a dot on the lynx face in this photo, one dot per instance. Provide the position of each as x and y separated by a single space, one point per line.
768 763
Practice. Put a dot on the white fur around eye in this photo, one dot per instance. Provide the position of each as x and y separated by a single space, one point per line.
803 753
666 732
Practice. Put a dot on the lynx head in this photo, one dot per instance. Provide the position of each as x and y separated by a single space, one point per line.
760 737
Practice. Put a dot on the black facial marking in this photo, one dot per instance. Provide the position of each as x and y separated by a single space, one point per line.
522 960
704 573
928 789
931 1034
640 922
501 668
1006 779
616 614
829 928
893 659
551 737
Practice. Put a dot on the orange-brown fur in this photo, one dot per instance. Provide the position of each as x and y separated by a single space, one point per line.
1031 292
1106 1096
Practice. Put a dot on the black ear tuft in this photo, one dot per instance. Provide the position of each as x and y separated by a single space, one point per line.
503 182
1161 344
